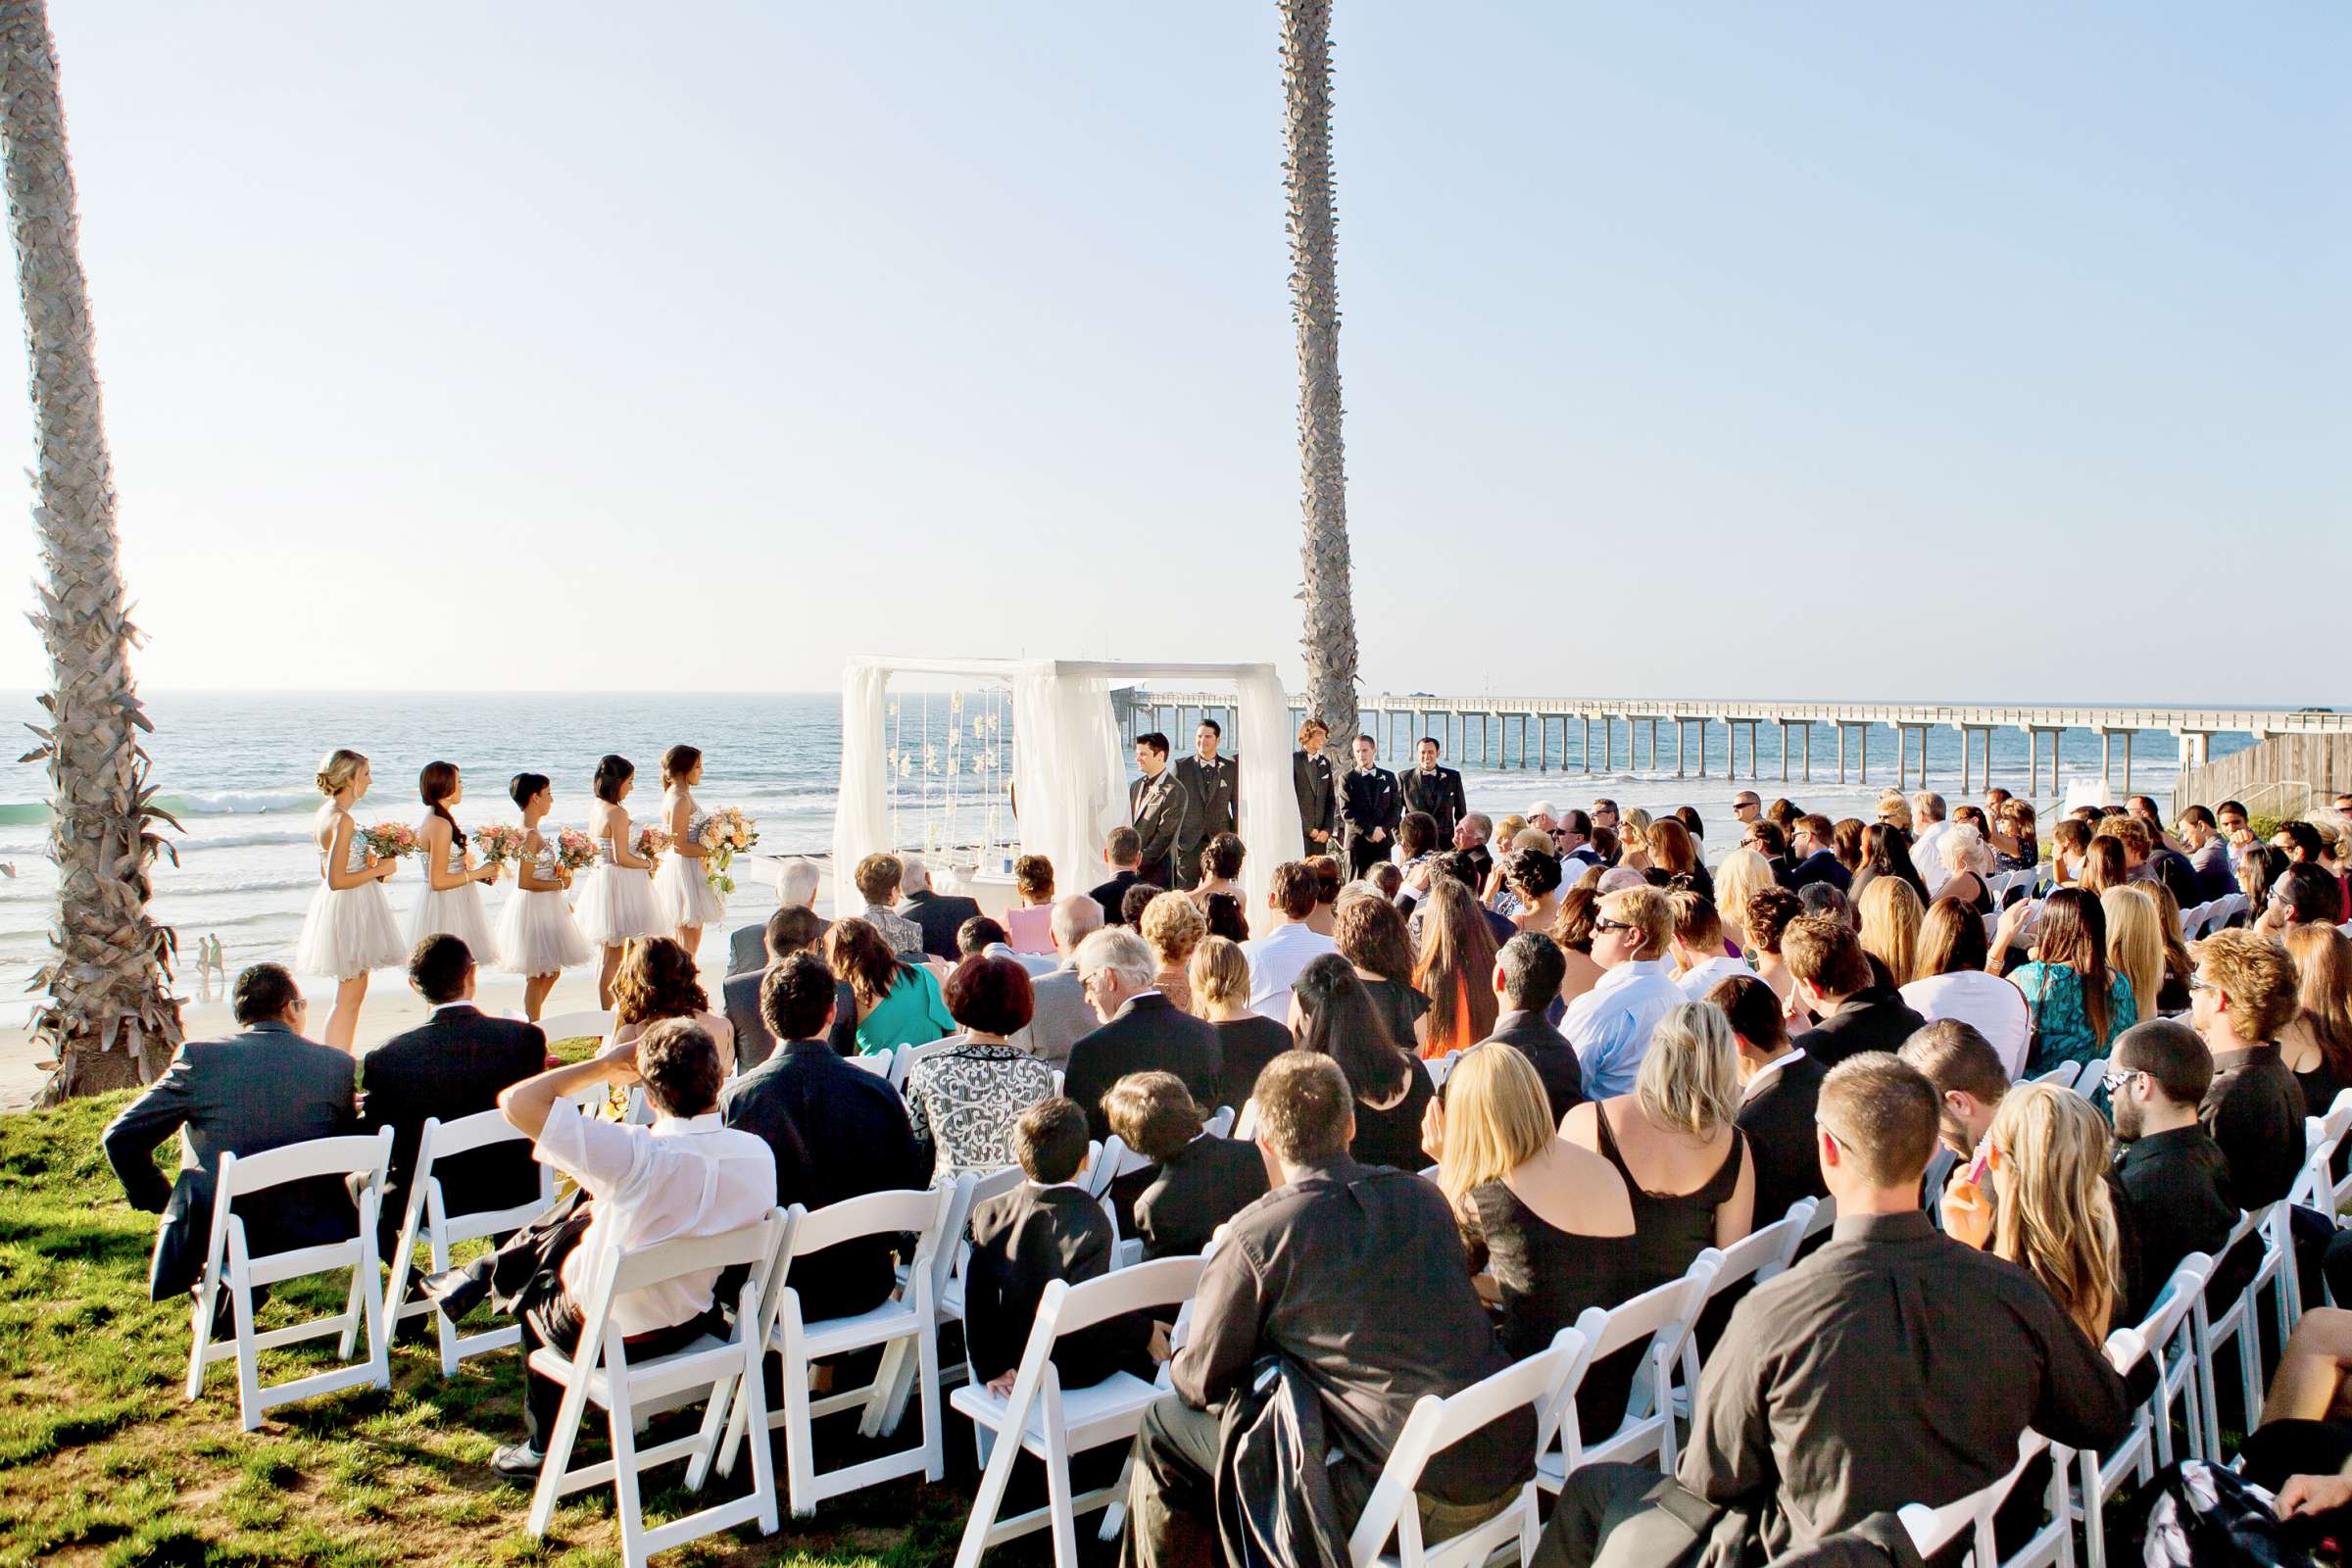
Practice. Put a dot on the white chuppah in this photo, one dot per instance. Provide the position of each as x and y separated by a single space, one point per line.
1069 768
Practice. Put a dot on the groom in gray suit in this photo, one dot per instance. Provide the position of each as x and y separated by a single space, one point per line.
265 1089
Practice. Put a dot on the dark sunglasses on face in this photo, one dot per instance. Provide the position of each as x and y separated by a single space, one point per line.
1604 923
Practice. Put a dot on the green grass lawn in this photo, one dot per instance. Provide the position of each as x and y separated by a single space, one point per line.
103 1462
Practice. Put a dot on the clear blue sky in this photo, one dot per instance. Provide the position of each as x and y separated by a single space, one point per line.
1991 352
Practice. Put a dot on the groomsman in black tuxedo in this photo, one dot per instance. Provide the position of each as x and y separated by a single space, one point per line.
1214 784
1370 808
1159 806
1436 790
1318 796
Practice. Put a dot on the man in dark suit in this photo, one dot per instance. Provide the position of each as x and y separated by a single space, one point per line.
1370 808
790 929
1528 971
1781 1086
451 1066
1142 1029
1123 853
1318 796
939 915
1214 785
837 1132
1857 1011
1159 808
263 1089
1436 790
1197 1181
1813 848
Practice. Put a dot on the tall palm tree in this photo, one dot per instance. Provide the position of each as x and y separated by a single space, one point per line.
1330 639
109 1012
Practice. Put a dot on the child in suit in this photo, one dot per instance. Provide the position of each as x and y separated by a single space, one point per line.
1046 1230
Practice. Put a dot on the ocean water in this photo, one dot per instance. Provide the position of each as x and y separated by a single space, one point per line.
236 769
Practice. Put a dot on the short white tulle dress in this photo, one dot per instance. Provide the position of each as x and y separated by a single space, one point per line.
536 934
349 931
682 894
618 902
453 911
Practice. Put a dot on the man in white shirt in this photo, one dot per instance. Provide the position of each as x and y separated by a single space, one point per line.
1609 1025
1276 957
1698 948
1927 809
686 1175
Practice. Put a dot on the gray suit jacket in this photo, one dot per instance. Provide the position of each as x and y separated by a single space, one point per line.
1062 1014
746 949
265 1089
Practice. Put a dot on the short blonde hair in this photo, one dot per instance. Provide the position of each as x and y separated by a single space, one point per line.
1174 925
1895 807
1497 1118
2255 975
1220 972
1509 828
1648 911
1690 1078
1633 831
1891 914
1742 875
1960 849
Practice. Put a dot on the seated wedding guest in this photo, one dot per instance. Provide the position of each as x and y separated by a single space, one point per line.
1834 983
878 878
1197 1181
1527 982
985 938
1813 852
1123 853
1062 1011
2016 844
2245 996
1246 1040
1454 968
1572 934
2134 945
1173 925
1698 945
1819 898
1220 870
2171 1170
2259 869
261 1089
1966 1073
1550 1222
1633 839
657 980
2304 894
1353 1276
1137 898
836 1132
898 1003
1887 920
1029 923
686 1175
1332 1015
964 1099
792 928
1892 1366
1779 1088
1047 1229
1329 879
2049 1150
1387 879
1845 837
2172 990
2104 865
1276 957
2316 1043
1142 1030
1764 918
1609 1025
937 914
1742 875
1926 843
1885 851
1674 861
1470 836
748 951
1226 917
1533 877
451 1066
2208 853
1370 935
2079 1004
2069 849
1953 981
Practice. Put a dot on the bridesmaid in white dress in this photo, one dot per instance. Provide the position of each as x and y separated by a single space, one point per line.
618 905
349 929
681 889
536 936
452 904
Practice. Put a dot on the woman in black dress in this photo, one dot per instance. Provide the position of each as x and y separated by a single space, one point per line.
1332 1013
1370 934
1219 973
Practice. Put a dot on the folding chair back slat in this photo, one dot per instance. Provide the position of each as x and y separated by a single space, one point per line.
428 1220
576 1026
902 1060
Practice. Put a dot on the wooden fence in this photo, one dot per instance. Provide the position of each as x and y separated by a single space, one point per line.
2277 777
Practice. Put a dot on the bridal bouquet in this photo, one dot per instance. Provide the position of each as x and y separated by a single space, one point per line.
389 841
728 834
647 846
576 851
497 843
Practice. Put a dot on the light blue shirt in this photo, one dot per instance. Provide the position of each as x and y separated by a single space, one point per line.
1036 964
1609 1025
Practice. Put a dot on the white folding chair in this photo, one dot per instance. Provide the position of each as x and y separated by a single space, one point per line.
576 1026
427 1219
1935 1530
2224 908
1220 1125
1821 1220
1757 1256
1042 1418
902 1060
1664 1318
1244 1124
896 1379
2335 1125
1441 1068
2235 1320
1113 1160
2061 1076
230 1265
1058 1076
1437 1424
909 1315
878 1064
2149 1443
601 1372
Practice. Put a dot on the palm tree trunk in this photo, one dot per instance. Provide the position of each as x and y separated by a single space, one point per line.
109 1012
1329 640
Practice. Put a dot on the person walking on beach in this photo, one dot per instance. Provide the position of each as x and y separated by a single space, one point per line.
349 929
618 905
537 937
452 904
682 892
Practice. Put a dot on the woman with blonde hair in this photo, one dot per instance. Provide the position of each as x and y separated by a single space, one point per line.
1742 875
1174 925
1967 860
1895 807
1633 838
1454 969
349 929
1246 1039
1551 1223
2173 994
2134 945
2316 1043
1889 915
2048 1151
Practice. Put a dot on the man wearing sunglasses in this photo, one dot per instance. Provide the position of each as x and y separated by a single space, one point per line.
1609 1025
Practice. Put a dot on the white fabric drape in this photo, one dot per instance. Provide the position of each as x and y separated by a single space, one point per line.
1269 825
861 814
1069 789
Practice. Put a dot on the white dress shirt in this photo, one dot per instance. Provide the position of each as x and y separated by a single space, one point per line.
691 1176
1994 1006
1275 961
1748 1091
1927 858
1609 1025
1698 981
